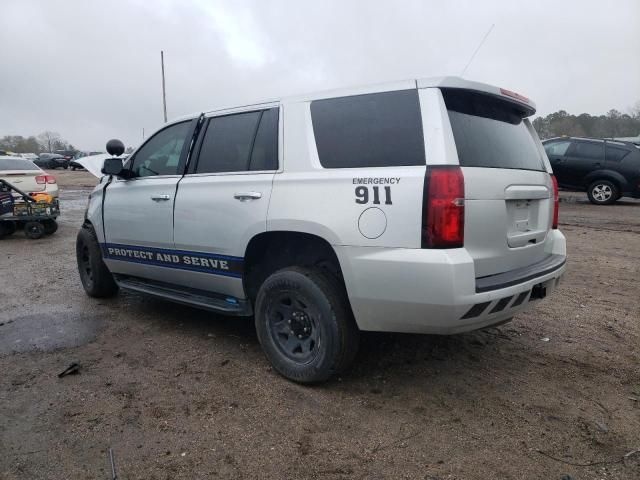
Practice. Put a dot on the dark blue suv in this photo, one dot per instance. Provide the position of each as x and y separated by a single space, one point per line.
605 169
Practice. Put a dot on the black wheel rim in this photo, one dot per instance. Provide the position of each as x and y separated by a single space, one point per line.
293 326
34 230
85 263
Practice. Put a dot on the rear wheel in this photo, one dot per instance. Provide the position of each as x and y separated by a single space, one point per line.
94 274
603 192
33 230
50 226
304 324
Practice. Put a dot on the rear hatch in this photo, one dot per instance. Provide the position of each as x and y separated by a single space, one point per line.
22 174
508 191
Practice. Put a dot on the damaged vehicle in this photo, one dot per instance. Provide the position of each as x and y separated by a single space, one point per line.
422 206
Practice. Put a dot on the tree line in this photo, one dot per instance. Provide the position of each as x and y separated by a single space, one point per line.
45 142
613 124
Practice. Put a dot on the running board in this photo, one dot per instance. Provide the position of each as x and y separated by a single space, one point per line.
214 302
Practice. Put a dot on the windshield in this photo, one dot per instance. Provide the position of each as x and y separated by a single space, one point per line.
17 164
490 132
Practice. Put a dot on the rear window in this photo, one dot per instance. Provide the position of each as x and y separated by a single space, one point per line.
17 164
490 132
373 130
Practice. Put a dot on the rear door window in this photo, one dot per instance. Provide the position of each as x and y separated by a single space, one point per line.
587 150
227 143
373 130
490 132
240 142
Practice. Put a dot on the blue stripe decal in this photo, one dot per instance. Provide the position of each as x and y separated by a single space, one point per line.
203 262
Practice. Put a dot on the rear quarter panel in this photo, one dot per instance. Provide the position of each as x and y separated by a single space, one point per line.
309 198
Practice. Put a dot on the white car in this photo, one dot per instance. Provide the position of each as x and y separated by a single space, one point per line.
27 176
423 206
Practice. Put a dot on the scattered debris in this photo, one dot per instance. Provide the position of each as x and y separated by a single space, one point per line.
114 475
628 456
72 369
602 427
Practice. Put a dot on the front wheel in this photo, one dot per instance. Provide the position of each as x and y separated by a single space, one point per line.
603 192
94 274
304 324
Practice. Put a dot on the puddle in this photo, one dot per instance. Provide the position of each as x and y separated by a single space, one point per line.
47 331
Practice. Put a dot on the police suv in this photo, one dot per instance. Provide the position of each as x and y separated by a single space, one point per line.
424 206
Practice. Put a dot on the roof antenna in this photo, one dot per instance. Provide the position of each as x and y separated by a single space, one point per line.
477 49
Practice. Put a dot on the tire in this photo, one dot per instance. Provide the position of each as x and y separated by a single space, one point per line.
34 230
7 228
94 274
603 192
50 226
310 305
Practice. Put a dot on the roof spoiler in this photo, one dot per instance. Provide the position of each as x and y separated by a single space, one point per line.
457 82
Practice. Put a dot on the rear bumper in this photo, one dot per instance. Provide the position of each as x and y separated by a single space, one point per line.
436 291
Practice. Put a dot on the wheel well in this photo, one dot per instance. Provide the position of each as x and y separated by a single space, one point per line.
609 178
271 251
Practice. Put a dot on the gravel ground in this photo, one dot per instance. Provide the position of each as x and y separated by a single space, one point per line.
180 393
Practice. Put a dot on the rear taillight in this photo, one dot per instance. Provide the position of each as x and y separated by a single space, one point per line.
42 179
556 202
443 208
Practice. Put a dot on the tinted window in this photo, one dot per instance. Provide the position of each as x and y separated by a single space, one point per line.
616 154
375 130
161 154
17 164
557 149
226 146
587 150
265 147
490 132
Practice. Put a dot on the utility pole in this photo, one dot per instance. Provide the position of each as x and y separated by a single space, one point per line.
164 94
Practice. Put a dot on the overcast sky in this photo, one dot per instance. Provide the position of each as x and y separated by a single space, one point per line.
90 70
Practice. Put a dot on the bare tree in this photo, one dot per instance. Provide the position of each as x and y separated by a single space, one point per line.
49 139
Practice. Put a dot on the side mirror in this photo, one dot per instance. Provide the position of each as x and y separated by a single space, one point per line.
113 166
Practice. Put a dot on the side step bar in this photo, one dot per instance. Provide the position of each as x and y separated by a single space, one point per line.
214 302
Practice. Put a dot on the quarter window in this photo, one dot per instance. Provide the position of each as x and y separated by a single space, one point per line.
616 154
161 154
373 130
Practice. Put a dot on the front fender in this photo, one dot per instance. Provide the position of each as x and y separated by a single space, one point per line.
93 213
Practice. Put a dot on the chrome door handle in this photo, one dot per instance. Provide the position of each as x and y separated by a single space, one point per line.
244 196
158 198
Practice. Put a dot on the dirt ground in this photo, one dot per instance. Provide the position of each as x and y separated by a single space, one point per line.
180 393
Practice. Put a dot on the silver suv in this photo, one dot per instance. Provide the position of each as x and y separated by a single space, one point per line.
423 206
